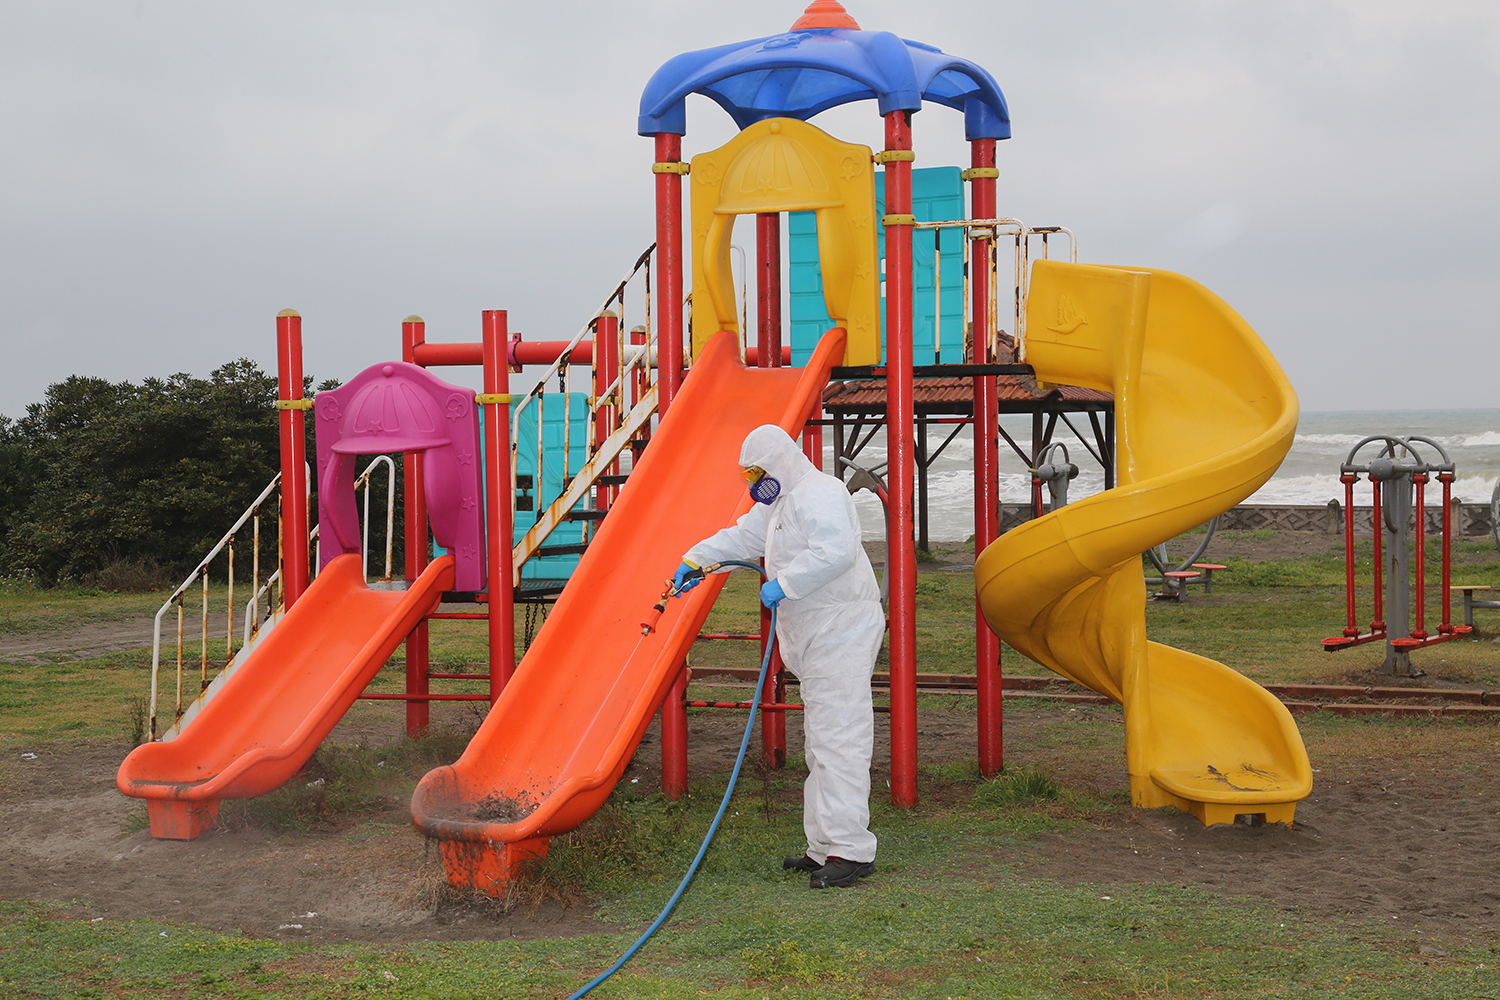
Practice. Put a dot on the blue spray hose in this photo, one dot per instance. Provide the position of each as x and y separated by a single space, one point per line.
712 827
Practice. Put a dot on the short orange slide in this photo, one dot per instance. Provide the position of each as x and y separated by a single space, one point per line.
270 716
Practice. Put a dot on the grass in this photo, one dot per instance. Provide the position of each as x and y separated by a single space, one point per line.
950 915
746 931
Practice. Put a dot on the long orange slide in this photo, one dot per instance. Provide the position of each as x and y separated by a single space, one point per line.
293 688
556 742
1204 417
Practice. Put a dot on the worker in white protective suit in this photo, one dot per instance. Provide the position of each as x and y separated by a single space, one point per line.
830 626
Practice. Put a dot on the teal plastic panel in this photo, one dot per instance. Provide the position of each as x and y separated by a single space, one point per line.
554 406
937 194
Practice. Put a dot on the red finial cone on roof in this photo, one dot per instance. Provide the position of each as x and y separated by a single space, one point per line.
825 14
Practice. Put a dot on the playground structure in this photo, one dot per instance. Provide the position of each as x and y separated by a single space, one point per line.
1398 476
673 401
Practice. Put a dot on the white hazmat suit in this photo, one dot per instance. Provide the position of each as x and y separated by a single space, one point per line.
830 626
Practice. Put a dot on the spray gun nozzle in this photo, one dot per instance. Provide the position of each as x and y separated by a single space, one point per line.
657 610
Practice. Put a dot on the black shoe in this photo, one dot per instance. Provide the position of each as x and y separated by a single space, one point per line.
802 864
838 873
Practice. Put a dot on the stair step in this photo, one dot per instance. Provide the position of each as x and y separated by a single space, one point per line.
585 514
562 550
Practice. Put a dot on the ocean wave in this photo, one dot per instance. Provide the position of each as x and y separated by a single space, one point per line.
1344 440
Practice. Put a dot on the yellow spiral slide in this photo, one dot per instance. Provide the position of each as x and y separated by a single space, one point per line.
1204 416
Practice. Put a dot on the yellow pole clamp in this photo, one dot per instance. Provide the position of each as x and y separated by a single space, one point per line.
976 173
294 404
895 156
899 220
671 167
486 398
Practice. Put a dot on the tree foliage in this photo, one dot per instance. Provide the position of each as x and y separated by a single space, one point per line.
101 472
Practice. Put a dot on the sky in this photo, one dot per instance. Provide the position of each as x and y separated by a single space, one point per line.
173 174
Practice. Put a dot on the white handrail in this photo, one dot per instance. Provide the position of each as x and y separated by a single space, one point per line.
634 360
252 622
990 230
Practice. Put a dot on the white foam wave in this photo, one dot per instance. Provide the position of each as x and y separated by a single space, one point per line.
1343 440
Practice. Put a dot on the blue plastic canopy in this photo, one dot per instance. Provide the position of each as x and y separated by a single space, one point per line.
800 73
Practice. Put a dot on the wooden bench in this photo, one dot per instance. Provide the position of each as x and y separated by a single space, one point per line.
1208 575
1469 601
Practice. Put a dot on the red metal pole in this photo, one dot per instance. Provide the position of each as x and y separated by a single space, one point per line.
987 666
498 513
1378 623
669 268
293 426
1420 631
772 724
413 335
768 355
669 380
768 288
812 437
900 416
1351 628
1446 478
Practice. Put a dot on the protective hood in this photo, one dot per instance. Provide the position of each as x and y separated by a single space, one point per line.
771 448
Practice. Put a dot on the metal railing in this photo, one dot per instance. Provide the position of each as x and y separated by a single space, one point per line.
623 413
268 590
992 231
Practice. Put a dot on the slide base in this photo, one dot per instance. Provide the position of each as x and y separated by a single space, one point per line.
175 819
489 868
1145 793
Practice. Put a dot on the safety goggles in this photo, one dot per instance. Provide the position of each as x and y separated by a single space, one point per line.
753 474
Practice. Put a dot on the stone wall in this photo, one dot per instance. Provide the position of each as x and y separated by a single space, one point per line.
1468 518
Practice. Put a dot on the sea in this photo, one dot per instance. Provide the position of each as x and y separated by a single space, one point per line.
1309 475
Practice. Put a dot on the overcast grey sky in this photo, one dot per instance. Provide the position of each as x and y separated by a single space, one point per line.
173 174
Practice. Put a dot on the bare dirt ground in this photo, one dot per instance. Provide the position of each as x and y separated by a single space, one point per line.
1408 842
93 639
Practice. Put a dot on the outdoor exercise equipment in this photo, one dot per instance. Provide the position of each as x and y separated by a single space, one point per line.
1174 576
1398 476
1056 475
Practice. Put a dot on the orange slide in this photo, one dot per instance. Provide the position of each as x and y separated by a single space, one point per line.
568 722
283 700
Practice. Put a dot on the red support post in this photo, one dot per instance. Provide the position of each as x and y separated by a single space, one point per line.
768 355
987 666
1446 478
293 424
414 335
900 416
773 691
1351 626
669 267
768 288
498 513
1420 630
1377 570
668 380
